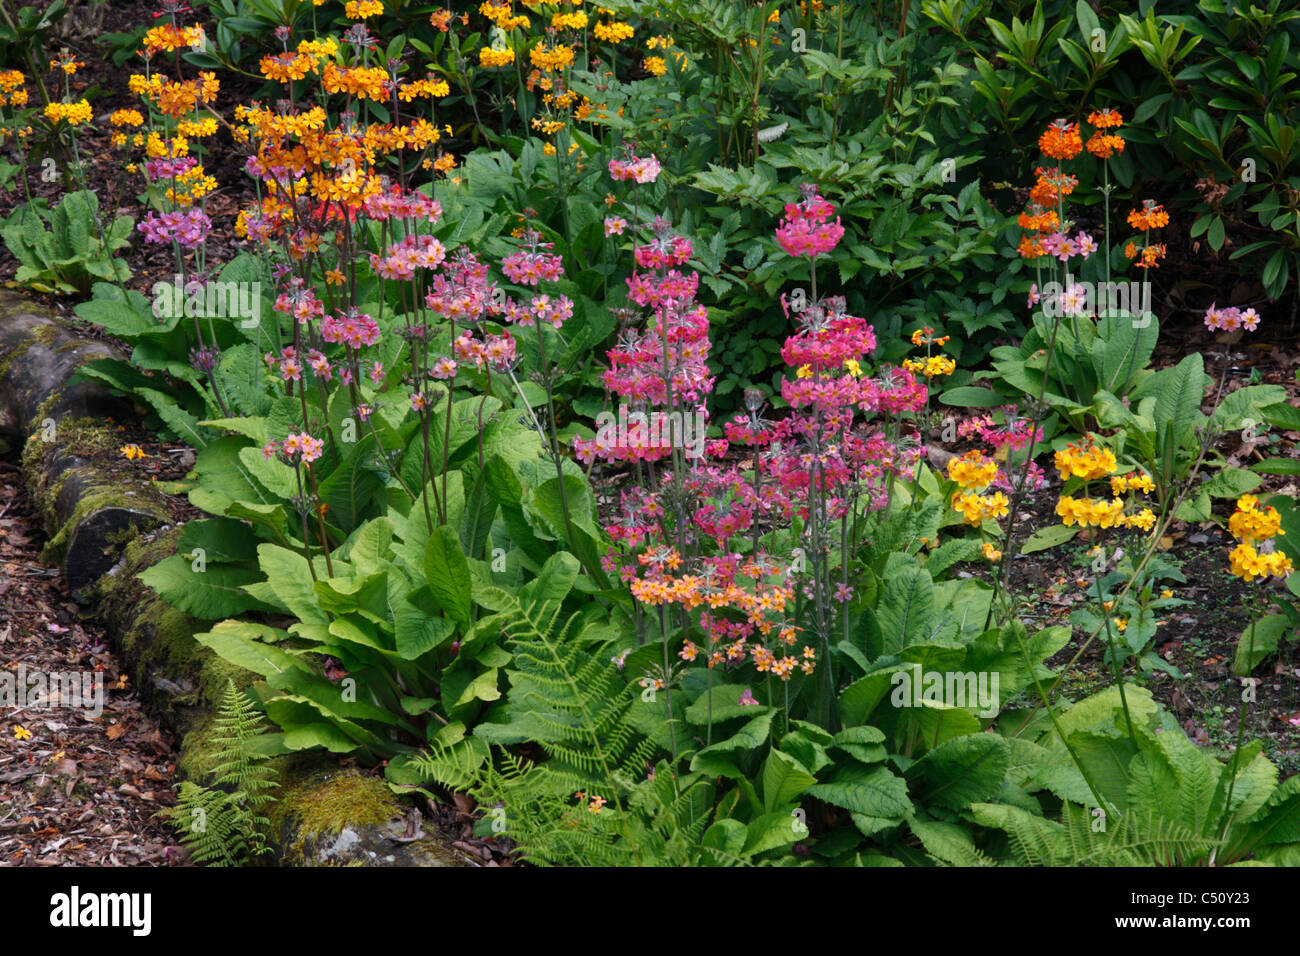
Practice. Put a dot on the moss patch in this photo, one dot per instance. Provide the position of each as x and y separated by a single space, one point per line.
156 639
16 353
323 804
56 547
76 438
47 334
198 753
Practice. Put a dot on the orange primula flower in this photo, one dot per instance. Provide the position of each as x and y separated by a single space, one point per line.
1061 140
1038 219
1031 248
1105 145
1151 216
1105 119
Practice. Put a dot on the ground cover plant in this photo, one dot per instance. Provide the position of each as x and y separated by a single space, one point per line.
721 434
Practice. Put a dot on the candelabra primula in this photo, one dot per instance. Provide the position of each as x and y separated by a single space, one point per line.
1255 527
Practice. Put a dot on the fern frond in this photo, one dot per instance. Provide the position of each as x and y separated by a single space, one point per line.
220 824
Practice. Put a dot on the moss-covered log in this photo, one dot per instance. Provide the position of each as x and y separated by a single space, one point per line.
89 506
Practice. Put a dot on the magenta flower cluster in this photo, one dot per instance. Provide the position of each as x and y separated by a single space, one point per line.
187 227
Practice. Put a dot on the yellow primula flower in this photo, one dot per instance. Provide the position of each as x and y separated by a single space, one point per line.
1086 461
74 114
1248 564
362 9
976 509
1251 523
612 32
972 470
558 57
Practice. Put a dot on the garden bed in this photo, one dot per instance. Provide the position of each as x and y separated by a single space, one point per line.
359 509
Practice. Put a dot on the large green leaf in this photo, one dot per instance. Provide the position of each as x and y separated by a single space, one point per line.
783 780
949 842
243 644
447 572
291 581
184 425
1122 349
418 632
327 696
221 539
964 770
1260 641
1178 393
126 317
211 594
1278 821
352 487
476 522
906 608
1106 755
1046 537
553 583
875 792
220 470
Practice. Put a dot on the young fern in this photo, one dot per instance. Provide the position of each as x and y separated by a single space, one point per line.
223 824
573 704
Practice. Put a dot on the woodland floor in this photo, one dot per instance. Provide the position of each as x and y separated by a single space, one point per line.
81 790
